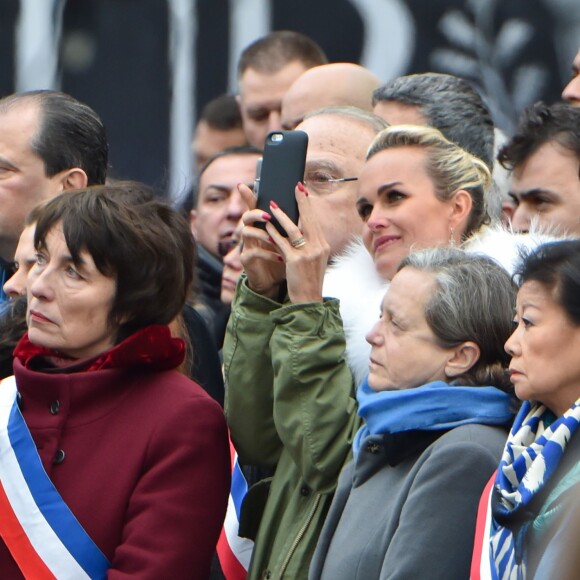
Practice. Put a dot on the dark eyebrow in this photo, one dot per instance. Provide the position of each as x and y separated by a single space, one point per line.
217 186
531 193
384 188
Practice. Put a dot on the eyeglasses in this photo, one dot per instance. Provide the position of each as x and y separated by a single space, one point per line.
323 183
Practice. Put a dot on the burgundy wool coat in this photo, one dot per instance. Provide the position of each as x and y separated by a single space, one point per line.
138 452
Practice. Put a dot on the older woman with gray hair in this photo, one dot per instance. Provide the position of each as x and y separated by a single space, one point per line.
436 407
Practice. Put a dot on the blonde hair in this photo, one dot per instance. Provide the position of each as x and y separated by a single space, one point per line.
450 167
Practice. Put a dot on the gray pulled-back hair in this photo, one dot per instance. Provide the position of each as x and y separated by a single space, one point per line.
474 300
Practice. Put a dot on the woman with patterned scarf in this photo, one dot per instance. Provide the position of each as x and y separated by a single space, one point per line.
536 486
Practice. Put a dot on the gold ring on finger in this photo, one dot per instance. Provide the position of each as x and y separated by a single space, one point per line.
298 242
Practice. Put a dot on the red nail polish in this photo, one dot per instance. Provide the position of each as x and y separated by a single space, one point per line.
280 259
266 216
300 187
271 240
274 204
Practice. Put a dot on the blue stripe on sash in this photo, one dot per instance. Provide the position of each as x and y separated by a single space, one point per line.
239 488
50 503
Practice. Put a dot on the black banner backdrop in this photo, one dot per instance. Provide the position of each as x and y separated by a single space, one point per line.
126 57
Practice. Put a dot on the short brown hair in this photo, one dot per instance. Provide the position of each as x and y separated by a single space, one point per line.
144 244
274 51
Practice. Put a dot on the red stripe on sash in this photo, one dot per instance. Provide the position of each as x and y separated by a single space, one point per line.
18 543
481 531
231 566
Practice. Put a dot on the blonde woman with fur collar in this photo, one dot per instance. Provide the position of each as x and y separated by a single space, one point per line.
416 190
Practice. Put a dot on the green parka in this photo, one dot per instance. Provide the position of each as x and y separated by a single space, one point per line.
290 404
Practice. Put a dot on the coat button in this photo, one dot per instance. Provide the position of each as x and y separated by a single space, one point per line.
373 447
59 457
55 407
305 491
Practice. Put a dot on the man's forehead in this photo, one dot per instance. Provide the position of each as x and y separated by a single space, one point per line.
255 84
230 165
22 116
336 136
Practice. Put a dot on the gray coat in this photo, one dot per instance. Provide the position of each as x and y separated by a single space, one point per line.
407 508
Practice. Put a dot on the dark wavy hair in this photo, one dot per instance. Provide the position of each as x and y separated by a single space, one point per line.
540 124
556 266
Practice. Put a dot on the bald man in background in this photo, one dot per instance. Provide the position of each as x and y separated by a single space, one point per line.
335 84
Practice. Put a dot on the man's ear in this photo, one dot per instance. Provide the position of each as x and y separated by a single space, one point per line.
193 222
461 205
462 358
74 178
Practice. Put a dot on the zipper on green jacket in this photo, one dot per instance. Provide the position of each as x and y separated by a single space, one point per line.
298 537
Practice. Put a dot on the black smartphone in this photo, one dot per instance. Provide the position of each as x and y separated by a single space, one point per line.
282 168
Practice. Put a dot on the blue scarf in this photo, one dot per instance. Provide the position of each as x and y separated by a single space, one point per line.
535 446
436 406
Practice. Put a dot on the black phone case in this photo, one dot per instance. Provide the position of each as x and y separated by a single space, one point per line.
282 168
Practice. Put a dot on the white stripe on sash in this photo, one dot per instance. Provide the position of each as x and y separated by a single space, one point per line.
42 537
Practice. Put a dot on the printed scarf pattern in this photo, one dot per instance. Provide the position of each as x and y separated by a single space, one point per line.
535 446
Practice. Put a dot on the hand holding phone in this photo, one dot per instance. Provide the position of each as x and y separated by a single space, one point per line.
282 168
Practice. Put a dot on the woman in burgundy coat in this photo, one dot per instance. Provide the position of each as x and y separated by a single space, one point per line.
112 463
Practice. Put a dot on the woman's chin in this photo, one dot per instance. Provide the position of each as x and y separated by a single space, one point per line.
38 338
378 384
386 266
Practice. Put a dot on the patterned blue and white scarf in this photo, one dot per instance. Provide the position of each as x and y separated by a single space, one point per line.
536 443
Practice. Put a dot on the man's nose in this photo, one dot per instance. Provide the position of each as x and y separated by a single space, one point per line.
521 219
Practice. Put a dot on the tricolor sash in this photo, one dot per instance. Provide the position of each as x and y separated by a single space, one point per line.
480 562
234 552
43 535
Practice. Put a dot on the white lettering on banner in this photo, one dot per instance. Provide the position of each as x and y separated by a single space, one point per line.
249 20
38 32
389 36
